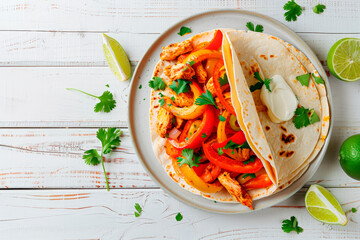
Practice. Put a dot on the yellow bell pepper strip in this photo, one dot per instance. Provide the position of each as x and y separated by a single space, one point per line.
206 127
232 122
194 180
201 55
221 136
187 113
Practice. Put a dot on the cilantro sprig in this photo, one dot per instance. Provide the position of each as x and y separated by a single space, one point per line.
319 8
205 98
223 80
106 104
110 139
258 28
184 30
180 86
304 79
261 82
304 117
157 83
293 10
188 157
290 225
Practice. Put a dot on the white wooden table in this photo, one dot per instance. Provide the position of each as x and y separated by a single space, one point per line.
47 190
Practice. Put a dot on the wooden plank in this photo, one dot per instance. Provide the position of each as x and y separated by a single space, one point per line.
36 97
21 48
95 214
52 158
156 16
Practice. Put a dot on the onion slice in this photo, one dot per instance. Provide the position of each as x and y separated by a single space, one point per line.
174 133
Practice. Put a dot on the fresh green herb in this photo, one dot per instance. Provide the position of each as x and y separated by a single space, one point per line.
318 80
186 68
258 28
205 98
203 135
173 121
140 86
231 145
319 8
215 201
161 95
110 139
220 151
222 119
178 217
107 85
256 86
354 210
267 84
261 82
191 62
106 104
291 225
251 159
293 10
169 104
162 102
188 157
245 145
184 30
166 135
180 86
172 98
304 117
157 83
144 99
138 210
252 175
223 80
304 79
187 139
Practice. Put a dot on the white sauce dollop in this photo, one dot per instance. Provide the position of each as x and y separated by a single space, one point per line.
281 101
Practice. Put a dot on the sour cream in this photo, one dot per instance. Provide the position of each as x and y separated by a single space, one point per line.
281 101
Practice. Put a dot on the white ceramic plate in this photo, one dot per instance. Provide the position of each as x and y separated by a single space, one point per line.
139 103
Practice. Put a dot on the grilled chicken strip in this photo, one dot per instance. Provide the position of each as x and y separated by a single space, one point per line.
172 51
164 122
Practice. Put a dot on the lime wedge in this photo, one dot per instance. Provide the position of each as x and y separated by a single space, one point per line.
343 59
116 58
323 206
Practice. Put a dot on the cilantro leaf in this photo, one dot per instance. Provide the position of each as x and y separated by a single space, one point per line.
92 157
157 83
261 82
252 175
140 86
259 28
222 119
220 151
319 8
203 135
184 30
250 26
178 217
317 79
257 76
205 98
304 79
291 225
304 117
354 210
267 84
256 86
313 117
293 10
244 145
231 145
107 85
162 102
191 62
251 159
188 157
172 98
138 210
106 104
223 80
180 86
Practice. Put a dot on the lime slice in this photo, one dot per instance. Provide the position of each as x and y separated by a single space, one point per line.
323 206
116 58
343 59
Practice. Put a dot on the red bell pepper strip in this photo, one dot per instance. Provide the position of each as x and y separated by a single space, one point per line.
215 43
229 163
200 169
197 138
238 138
261 181
217 87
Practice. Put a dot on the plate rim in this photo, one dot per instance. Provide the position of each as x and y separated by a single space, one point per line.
319 158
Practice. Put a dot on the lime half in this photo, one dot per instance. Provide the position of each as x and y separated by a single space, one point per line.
116 58
323 206
343 59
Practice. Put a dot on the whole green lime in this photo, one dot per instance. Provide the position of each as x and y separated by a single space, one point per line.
350 156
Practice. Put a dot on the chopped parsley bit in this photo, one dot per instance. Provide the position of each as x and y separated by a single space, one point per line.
162 102
304 117
180 86
184 30
261 82
252 175
215 201
291 225
258 28
318 80
319 8
205 98
178 217
223 80
220 151
107 85
188 157
267 84
140 86
172 98
304 79
231 145
138 210
203 135
144 99
222 118
245 145
186 68
187 139
160 94
167 135
354 210
251 159
157 83
293 10
169 104
191 62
